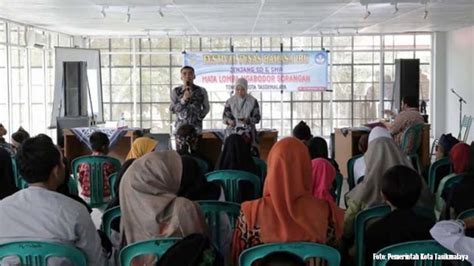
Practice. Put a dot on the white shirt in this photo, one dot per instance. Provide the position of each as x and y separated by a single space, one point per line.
359 169
39 214
450 234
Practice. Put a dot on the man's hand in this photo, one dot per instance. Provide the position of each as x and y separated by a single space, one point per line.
186 96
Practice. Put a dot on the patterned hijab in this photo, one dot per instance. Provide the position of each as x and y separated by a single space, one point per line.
288 211
140 147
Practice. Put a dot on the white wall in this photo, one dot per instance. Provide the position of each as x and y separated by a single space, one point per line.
459 75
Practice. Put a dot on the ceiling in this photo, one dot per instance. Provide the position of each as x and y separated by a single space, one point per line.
239 17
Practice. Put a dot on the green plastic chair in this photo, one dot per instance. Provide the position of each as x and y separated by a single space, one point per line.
466 214
411 139
304 250
72 186
108 217
19 181
424 247
212 210
112 182
262 165
337 184
155 247
96 178
36 253
433 170
415 162
447 182
350 171
230 179
360 226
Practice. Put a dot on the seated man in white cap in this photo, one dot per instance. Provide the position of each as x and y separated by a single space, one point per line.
241 113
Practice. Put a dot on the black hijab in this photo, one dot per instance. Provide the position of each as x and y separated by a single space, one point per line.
194 185
236 155
7 179
318 148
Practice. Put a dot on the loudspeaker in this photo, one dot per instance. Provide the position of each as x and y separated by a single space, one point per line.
75 88
69 122
407 81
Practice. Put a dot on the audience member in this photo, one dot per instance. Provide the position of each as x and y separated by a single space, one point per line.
318 148
451 235
50 216
302 132
100 147
7 178
283 213
409 116
444 146
187 139
19 137
323 174
3 143
141 146
459 157
150 205
359 164
400 188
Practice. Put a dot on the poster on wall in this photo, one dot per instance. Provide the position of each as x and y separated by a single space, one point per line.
287 71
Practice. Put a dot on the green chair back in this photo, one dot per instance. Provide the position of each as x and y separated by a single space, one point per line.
447 182
423 249
360 225
96 176
19 181
411 139
36 253
304 250
433 170
415 162
155 247
108 217
262 165
72 186
112 182
350 171
230 179
337 184
465 126
466 214
212 211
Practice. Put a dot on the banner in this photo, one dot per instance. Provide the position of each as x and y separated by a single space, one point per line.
288 71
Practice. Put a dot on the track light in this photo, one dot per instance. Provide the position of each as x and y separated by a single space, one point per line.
425 13
396 9
367 12
129 17
103 12
160 11
338 32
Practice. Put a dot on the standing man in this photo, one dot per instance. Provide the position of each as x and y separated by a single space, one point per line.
189 102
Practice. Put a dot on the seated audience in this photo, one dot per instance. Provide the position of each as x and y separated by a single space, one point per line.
50 215
359 164
7 178
100 147
323 174
282 258
451 235
459 157
302 132
140 147
150 204
409 116
382 154
287 212
187 140
3 143
19 137
318 148
444 146
400 188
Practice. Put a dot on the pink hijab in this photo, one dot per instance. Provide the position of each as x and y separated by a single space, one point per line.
323 175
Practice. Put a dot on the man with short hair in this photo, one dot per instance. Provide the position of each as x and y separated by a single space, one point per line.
409 116
189 102
39 213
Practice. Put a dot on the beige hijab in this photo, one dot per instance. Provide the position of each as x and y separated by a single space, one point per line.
382 154
149 204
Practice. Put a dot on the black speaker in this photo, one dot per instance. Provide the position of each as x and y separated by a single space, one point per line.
407 81
75 88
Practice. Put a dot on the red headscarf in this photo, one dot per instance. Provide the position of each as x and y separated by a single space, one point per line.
288 212
323 176
459 157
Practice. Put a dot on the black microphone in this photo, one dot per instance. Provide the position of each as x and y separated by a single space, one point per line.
459 96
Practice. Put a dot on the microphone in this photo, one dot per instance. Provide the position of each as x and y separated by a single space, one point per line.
459 96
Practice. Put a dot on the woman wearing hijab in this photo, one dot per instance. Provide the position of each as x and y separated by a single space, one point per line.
287 212
236 155
459 157
151 207
140 147
318 148
7 183
241 113
382 154
323 174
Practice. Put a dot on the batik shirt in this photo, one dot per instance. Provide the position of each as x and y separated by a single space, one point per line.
193 111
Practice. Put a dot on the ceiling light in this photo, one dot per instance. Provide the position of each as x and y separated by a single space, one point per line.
103 12
160 11
367 12
425 13
396 9
338 32
129 17
289 21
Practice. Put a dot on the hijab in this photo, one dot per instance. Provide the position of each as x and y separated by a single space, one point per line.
194 185
379 132
459 157
236 155
323 174
288 212
140 147
382 154
7 179
149 202
318 148
242 107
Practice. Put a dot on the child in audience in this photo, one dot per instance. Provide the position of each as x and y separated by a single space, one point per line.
141 146
151 207
100 147
19 137
287 212
400 188
40 213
